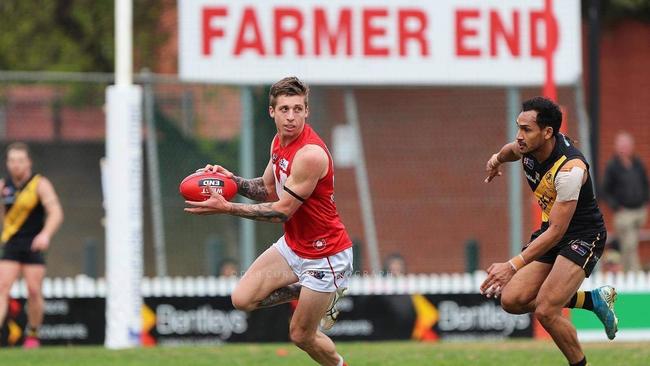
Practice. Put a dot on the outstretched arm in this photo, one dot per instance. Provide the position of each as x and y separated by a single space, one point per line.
259 189
309 165
507 153
568 184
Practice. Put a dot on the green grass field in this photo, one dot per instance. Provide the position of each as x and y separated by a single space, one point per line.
526 353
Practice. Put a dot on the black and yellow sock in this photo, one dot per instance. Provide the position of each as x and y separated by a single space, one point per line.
32 331
581 300
582 362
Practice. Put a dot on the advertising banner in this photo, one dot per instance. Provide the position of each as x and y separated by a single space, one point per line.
213 320
210 320
379 42
633 320
66 321
427 317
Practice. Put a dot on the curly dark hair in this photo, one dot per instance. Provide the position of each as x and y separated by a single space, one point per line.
548 113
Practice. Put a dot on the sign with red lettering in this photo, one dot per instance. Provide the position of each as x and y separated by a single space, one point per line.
391 42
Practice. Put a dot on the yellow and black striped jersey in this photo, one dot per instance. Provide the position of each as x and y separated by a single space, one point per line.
24 214
541 179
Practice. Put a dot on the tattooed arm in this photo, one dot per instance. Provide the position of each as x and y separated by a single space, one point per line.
309 165
258 189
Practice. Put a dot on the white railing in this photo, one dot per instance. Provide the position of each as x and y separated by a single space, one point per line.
454 283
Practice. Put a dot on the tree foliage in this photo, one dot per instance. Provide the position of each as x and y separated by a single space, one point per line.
72 35
614 11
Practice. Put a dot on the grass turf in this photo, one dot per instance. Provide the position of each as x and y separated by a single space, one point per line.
527 353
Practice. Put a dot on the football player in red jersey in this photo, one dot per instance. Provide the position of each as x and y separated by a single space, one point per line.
312 261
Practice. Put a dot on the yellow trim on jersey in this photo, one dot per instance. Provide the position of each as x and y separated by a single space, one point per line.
580 300
25 202
545 191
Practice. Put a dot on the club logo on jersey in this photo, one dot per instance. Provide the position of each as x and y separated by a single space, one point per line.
319 275
274 158
284 164
7 191
530 177
8 195
549 177
528 162
320 244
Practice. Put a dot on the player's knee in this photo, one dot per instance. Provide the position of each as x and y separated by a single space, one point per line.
511 304
242 302
34 292
546 314
301 338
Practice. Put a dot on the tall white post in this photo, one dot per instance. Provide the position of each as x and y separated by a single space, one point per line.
123 189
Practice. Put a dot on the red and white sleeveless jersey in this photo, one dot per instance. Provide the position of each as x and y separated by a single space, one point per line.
315 230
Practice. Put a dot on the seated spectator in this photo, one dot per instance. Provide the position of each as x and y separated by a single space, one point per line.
229 268
395 265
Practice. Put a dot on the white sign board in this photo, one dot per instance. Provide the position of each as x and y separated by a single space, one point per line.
441 42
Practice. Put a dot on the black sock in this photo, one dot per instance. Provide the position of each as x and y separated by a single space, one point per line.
581 300
582 362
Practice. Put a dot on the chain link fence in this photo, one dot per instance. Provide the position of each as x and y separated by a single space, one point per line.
424 148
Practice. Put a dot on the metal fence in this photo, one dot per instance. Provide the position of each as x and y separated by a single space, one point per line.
423 151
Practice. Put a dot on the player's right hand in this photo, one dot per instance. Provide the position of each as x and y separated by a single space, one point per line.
216 169
492 168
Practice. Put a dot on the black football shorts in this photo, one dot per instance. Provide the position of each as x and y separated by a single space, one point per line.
584 251
22 254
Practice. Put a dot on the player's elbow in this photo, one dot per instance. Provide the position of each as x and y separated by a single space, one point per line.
283 217
283 212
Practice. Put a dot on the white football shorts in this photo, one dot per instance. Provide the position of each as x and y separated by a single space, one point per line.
324 274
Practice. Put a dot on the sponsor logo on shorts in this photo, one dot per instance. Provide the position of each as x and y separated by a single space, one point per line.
578 248
319 275
339 276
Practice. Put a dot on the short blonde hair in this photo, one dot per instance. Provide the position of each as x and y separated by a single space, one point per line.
20 146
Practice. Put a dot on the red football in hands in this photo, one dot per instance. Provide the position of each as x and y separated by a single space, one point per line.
196 187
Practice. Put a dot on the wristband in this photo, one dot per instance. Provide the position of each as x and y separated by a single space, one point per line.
517 262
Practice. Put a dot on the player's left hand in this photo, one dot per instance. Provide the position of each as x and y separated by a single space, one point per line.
216 204
492 168
41 242
499 274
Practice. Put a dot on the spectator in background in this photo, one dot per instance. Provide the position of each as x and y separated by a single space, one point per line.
611 258
625 189
229 268
395 265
